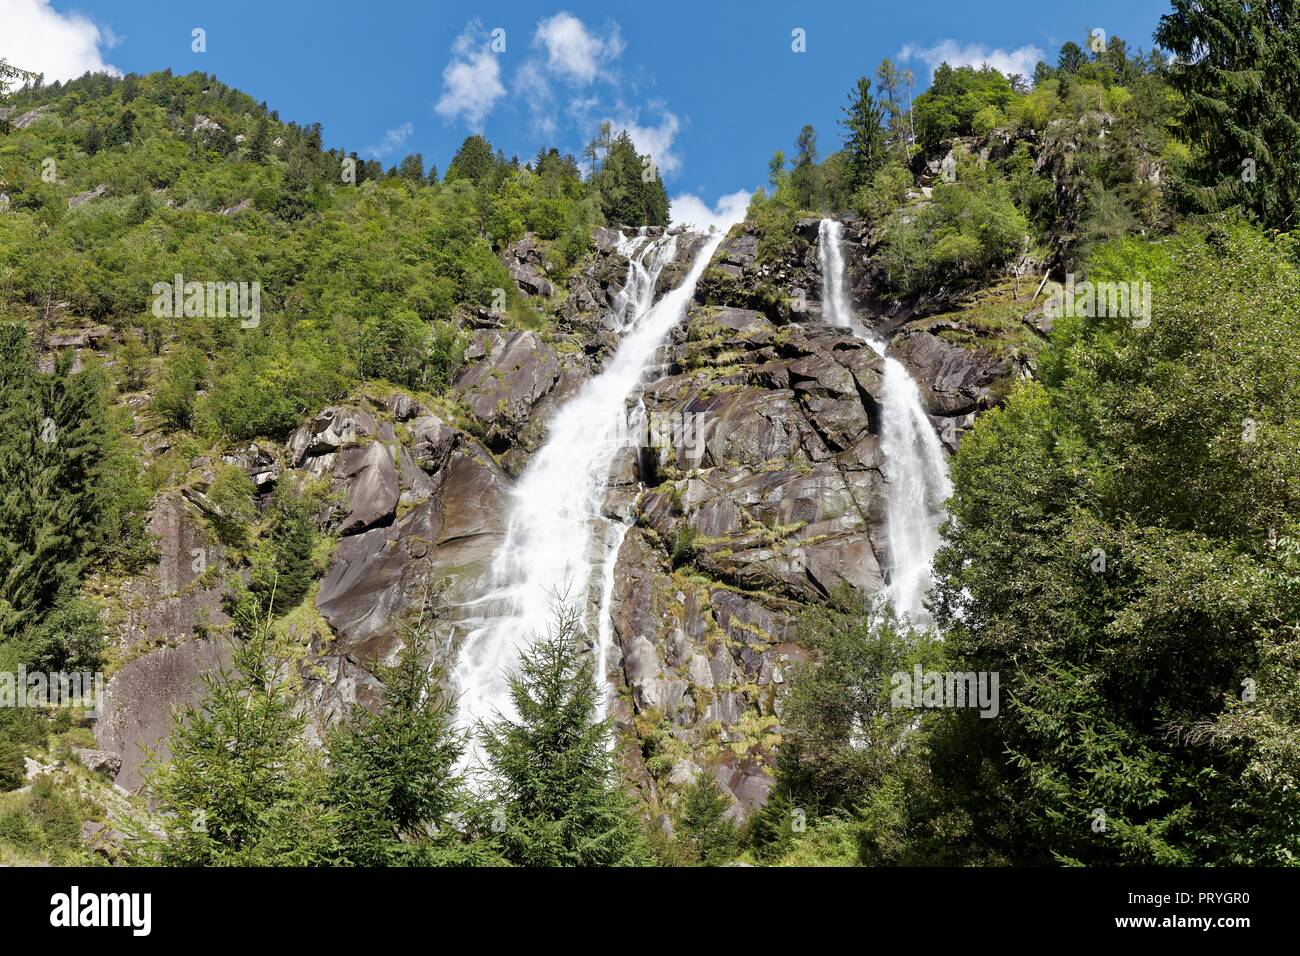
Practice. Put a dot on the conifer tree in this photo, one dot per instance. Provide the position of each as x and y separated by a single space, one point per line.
393 774
1236 67
556 798
864 134
241 786
53 444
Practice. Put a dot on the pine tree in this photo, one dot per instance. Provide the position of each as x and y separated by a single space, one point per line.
241 787
393 774
864 136
702 827
53 444
1236 67
556 797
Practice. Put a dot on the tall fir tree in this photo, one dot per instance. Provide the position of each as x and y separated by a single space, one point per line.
393 778
1236 66
865 140
555 794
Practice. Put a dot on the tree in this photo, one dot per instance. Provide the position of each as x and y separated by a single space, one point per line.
1235 66
393 778
53 446
842 737
283 572
412 168
473 161
260 142
631 190
890 82
1071 58
864 137
554 792
776 170
599 146
392 347
806 177
241 786
709 838
1110 555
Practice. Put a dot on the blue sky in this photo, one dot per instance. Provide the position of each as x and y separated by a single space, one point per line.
710 88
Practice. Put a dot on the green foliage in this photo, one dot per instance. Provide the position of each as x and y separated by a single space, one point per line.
955 97
1110 555
1235 68
393 780
886 191
12 766
232 492
56 444
864 135
283 571
555 793
631 190
971 229
241 787
708 838
806 178
841 736
70 638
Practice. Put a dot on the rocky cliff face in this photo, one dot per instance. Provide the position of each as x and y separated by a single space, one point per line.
755 490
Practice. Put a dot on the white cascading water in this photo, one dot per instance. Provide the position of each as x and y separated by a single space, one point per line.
916 471
557 541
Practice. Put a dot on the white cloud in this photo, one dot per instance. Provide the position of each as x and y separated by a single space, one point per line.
655 140
37 37
471 83
531 85
689 209
955 54
392 141
570 55
572 51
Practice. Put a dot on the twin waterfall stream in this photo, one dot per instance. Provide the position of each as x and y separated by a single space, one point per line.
559 541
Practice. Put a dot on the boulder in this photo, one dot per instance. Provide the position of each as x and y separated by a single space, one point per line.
107 762
333 428
79 200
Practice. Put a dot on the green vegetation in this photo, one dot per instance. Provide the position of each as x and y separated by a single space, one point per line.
393 782
554 795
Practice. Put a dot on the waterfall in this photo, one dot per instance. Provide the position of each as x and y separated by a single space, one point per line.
916 473
557 541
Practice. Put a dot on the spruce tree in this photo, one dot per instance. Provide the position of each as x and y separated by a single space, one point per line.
1236 67
393 773
864 134
241 786
53 445
556 797
709 838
